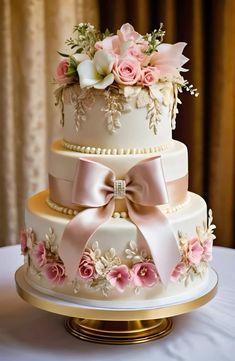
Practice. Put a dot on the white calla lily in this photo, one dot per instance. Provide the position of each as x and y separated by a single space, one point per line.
105 82
96 72
88 75
80 57
103 62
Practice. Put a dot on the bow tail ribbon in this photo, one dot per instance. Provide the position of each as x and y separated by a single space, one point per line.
93 188
77 233
150 221
156 230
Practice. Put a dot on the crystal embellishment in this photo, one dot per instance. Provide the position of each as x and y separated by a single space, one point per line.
119 189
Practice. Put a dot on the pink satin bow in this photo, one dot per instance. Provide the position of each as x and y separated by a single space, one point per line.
144 189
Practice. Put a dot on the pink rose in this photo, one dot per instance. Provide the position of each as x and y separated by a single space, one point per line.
61 71
149 76
39 254
135 52
195 251
144 274
54 272
128 33
127 71
126 38
119 277
178 271
86 267
207 249
23 242
169 58
111 44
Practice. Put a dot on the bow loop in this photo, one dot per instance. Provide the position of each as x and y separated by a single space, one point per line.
92 184
146 183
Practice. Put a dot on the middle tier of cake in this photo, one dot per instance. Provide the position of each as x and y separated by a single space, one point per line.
63 163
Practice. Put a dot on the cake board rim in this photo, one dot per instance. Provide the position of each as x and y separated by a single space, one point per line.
71 309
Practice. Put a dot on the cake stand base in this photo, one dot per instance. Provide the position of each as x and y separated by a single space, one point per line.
118 332
124 325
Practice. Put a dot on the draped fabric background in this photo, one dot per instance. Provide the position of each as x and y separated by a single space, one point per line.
31 31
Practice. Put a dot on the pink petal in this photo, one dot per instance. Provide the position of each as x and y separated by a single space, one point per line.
169 58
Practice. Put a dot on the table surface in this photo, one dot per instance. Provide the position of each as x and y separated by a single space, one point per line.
30 334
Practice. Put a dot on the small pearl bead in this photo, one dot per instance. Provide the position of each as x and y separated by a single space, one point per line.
123 214
116 215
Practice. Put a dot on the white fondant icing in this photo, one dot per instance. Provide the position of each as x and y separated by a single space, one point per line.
62 163
133 132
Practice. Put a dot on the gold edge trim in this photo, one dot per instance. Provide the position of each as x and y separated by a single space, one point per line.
111 315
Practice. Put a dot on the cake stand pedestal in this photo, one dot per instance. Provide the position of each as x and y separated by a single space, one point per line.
117 325
119 332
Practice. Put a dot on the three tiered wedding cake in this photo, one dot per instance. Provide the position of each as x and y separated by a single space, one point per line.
118 222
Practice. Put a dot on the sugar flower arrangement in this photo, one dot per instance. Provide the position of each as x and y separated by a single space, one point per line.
101 60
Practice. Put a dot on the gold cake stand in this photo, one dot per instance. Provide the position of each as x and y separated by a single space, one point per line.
119 326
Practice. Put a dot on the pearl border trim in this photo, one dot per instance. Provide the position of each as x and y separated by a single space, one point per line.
72 212
115 151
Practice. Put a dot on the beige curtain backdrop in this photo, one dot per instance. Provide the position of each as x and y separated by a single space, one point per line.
32 32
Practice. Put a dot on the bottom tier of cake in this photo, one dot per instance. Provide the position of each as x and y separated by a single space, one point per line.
116 264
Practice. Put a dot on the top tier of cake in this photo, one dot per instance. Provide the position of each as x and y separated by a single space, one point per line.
119 92
126 120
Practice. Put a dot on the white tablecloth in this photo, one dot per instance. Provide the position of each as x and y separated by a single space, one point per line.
30 334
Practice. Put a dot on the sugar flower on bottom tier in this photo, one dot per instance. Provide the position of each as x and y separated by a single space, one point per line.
144 274
39 254
54 272
119 277
87 267
195 251
23 242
